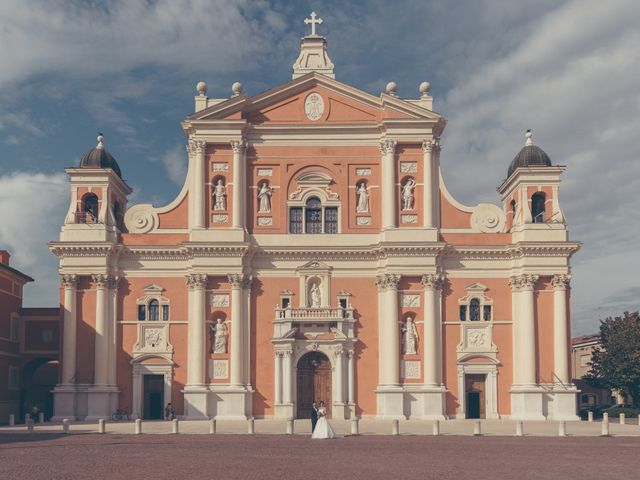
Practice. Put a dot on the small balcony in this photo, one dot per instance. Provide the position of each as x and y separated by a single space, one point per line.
314 315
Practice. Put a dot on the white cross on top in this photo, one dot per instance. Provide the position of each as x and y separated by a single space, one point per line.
313 22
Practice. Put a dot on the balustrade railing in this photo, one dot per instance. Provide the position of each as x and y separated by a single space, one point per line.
311 313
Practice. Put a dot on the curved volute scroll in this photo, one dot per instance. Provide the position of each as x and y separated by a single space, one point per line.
488 218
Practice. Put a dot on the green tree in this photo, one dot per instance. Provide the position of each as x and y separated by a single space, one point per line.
615 364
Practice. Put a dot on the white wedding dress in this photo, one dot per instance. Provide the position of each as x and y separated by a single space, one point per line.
323 429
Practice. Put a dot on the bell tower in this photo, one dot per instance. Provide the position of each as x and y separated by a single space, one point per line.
530 196
98 198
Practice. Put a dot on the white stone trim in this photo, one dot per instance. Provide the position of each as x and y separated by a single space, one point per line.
491 386
139 371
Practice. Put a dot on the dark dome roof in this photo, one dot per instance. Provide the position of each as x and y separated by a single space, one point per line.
530 156
98 157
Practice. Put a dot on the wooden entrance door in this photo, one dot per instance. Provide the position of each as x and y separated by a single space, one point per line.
475 395
153 397
314 383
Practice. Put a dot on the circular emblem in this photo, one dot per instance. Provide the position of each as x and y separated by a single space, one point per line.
314 106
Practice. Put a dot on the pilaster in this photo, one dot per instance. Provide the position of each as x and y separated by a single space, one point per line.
239 187
196 150
387 149
196 392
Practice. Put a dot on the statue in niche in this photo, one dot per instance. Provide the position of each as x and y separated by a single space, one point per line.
315 297
219 194
264 198
409 337
220 335
363 198
407 194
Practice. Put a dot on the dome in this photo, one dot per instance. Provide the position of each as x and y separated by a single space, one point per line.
530 156
98 157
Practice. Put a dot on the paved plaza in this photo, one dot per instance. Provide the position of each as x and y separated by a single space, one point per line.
117 456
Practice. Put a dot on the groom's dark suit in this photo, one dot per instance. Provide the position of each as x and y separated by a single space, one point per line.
314 417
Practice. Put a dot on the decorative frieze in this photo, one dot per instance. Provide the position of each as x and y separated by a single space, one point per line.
410 369
388 281
409 300
265 221
410 218
220 167
363 220
196 280
219 218
408 167
219 368
363 172
219 300
264 172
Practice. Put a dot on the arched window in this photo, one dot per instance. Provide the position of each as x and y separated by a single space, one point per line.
474 310
89 212
513 210
313 218
537 207
154 308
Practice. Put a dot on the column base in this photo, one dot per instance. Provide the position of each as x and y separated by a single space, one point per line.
527 402
231 402
285 410
195 402
433 402
64 402
340 411
390 401
564 403
100 401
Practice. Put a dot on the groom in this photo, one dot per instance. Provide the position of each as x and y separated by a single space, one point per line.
314 416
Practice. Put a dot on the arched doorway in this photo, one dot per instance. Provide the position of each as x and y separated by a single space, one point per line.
314 383
39 377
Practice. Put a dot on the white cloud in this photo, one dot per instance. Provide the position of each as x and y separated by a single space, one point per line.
33 206
175 162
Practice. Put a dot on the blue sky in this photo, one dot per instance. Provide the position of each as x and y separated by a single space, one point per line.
569 70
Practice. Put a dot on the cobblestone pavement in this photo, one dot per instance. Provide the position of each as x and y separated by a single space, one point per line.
371 457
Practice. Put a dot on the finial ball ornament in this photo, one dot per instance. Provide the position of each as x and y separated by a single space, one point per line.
100 138
201 87
236 88
424 88
392 87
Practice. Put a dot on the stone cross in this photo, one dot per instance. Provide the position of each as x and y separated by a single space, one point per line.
313 22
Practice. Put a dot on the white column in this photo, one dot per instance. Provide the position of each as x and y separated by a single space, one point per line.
389 337
432 357
196 149
70 283
352 376
278 378
388 148
196 344
527 329
436 148
238 217
237 329
514 283
101 349
429 184
112 298
287 372
339 395
560 328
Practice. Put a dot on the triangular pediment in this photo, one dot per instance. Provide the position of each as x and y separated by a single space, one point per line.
475 287
153 289
315 266
315 99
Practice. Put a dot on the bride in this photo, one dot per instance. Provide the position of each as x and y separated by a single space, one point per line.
323 429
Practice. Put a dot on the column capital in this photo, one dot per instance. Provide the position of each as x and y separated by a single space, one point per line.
560 281
388 146
338 351
436 146
100 279
427 146
238 145
519 283
351 353
112 282
432 281
239 280
387 281
196 281
196 147
70 280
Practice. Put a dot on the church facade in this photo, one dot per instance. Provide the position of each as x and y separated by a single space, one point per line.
314 253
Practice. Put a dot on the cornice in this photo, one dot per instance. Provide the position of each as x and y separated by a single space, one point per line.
62 250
